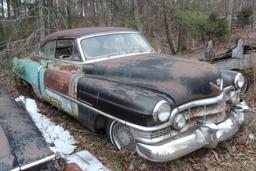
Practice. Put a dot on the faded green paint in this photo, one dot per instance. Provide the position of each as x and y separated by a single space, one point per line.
30 69
33 67
41 82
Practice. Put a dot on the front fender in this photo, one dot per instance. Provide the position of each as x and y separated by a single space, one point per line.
130 103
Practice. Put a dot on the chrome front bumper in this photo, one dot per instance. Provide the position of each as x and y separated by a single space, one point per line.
205 135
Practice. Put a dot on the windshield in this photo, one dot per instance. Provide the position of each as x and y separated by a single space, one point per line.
114 44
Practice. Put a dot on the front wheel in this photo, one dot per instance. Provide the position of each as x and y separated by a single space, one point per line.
120 136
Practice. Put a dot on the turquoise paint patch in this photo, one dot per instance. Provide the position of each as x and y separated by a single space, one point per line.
30 70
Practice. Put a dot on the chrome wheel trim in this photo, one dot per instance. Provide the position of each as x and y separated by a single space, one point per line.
121 137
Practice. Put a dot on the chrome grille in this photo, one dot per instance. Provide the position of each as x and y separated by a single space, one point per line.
214 113
201 111
151 135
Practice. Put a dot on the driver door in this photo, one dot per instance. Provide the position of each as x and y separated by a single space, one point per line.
60 76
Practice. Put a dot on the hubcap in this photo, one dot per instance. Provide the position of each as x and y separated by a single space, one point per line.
122 137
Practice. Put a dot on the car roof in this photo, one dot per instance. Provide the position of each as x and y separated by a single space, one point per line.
78 32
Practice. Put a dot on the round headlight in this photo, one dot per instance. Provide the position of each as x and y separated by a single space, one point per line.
233 96
162 111
179 122
239 80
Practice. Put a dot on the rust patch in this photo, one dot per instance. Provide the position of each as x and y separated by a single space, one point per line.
67 68
187 69
30 55
58 81
180 89
207 110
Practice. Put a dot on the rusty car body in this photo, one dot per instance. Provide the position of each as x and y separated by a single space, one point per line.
160 106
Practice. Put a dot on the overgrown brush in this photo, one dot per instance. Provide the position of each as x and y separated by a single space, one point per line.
202 24
244 15
11 73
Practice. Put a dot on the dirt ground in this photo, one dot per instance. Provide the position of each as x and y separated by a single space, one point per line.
238 153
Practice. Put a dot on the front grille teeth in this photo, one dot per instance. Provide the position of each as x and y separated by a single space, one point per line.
215 113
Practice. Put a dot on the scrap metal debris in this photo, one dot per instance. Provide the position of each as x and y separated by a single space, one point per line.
61 140
238 51
22 145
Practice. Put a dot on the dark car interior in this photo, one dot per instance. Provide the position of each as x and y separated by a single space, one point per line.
65 49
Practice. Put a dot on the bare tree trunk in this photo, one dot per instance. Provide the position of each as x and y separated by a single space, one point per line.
95 21
240 5
229 16
15 4
136 15
182 40
69 14
8 8
254 16
116 15
2 9
109 14
41 19
169 37
82 7
2 29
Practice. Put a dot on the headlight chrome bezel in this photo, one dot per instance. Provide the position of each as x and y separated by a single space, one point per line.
234 97
179 122
239 81
157 115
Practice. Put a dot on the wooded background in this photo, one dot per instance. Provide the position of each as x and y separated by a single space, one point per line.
171 25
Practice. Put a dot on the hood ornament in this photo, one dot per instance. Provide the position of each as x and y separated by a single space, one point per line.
218 85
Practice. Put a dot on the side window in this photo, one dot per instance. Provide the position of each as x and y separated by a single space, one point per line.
66 49
48 50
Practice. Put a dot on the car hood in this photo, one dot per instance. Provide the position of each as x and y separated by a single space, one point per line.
180 79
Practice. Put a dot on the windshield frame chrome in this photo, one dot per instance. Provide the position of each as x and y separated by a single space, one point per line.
86 60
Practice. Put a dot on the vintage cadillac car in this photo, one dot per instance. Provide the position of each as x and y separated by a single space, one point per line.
157 105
